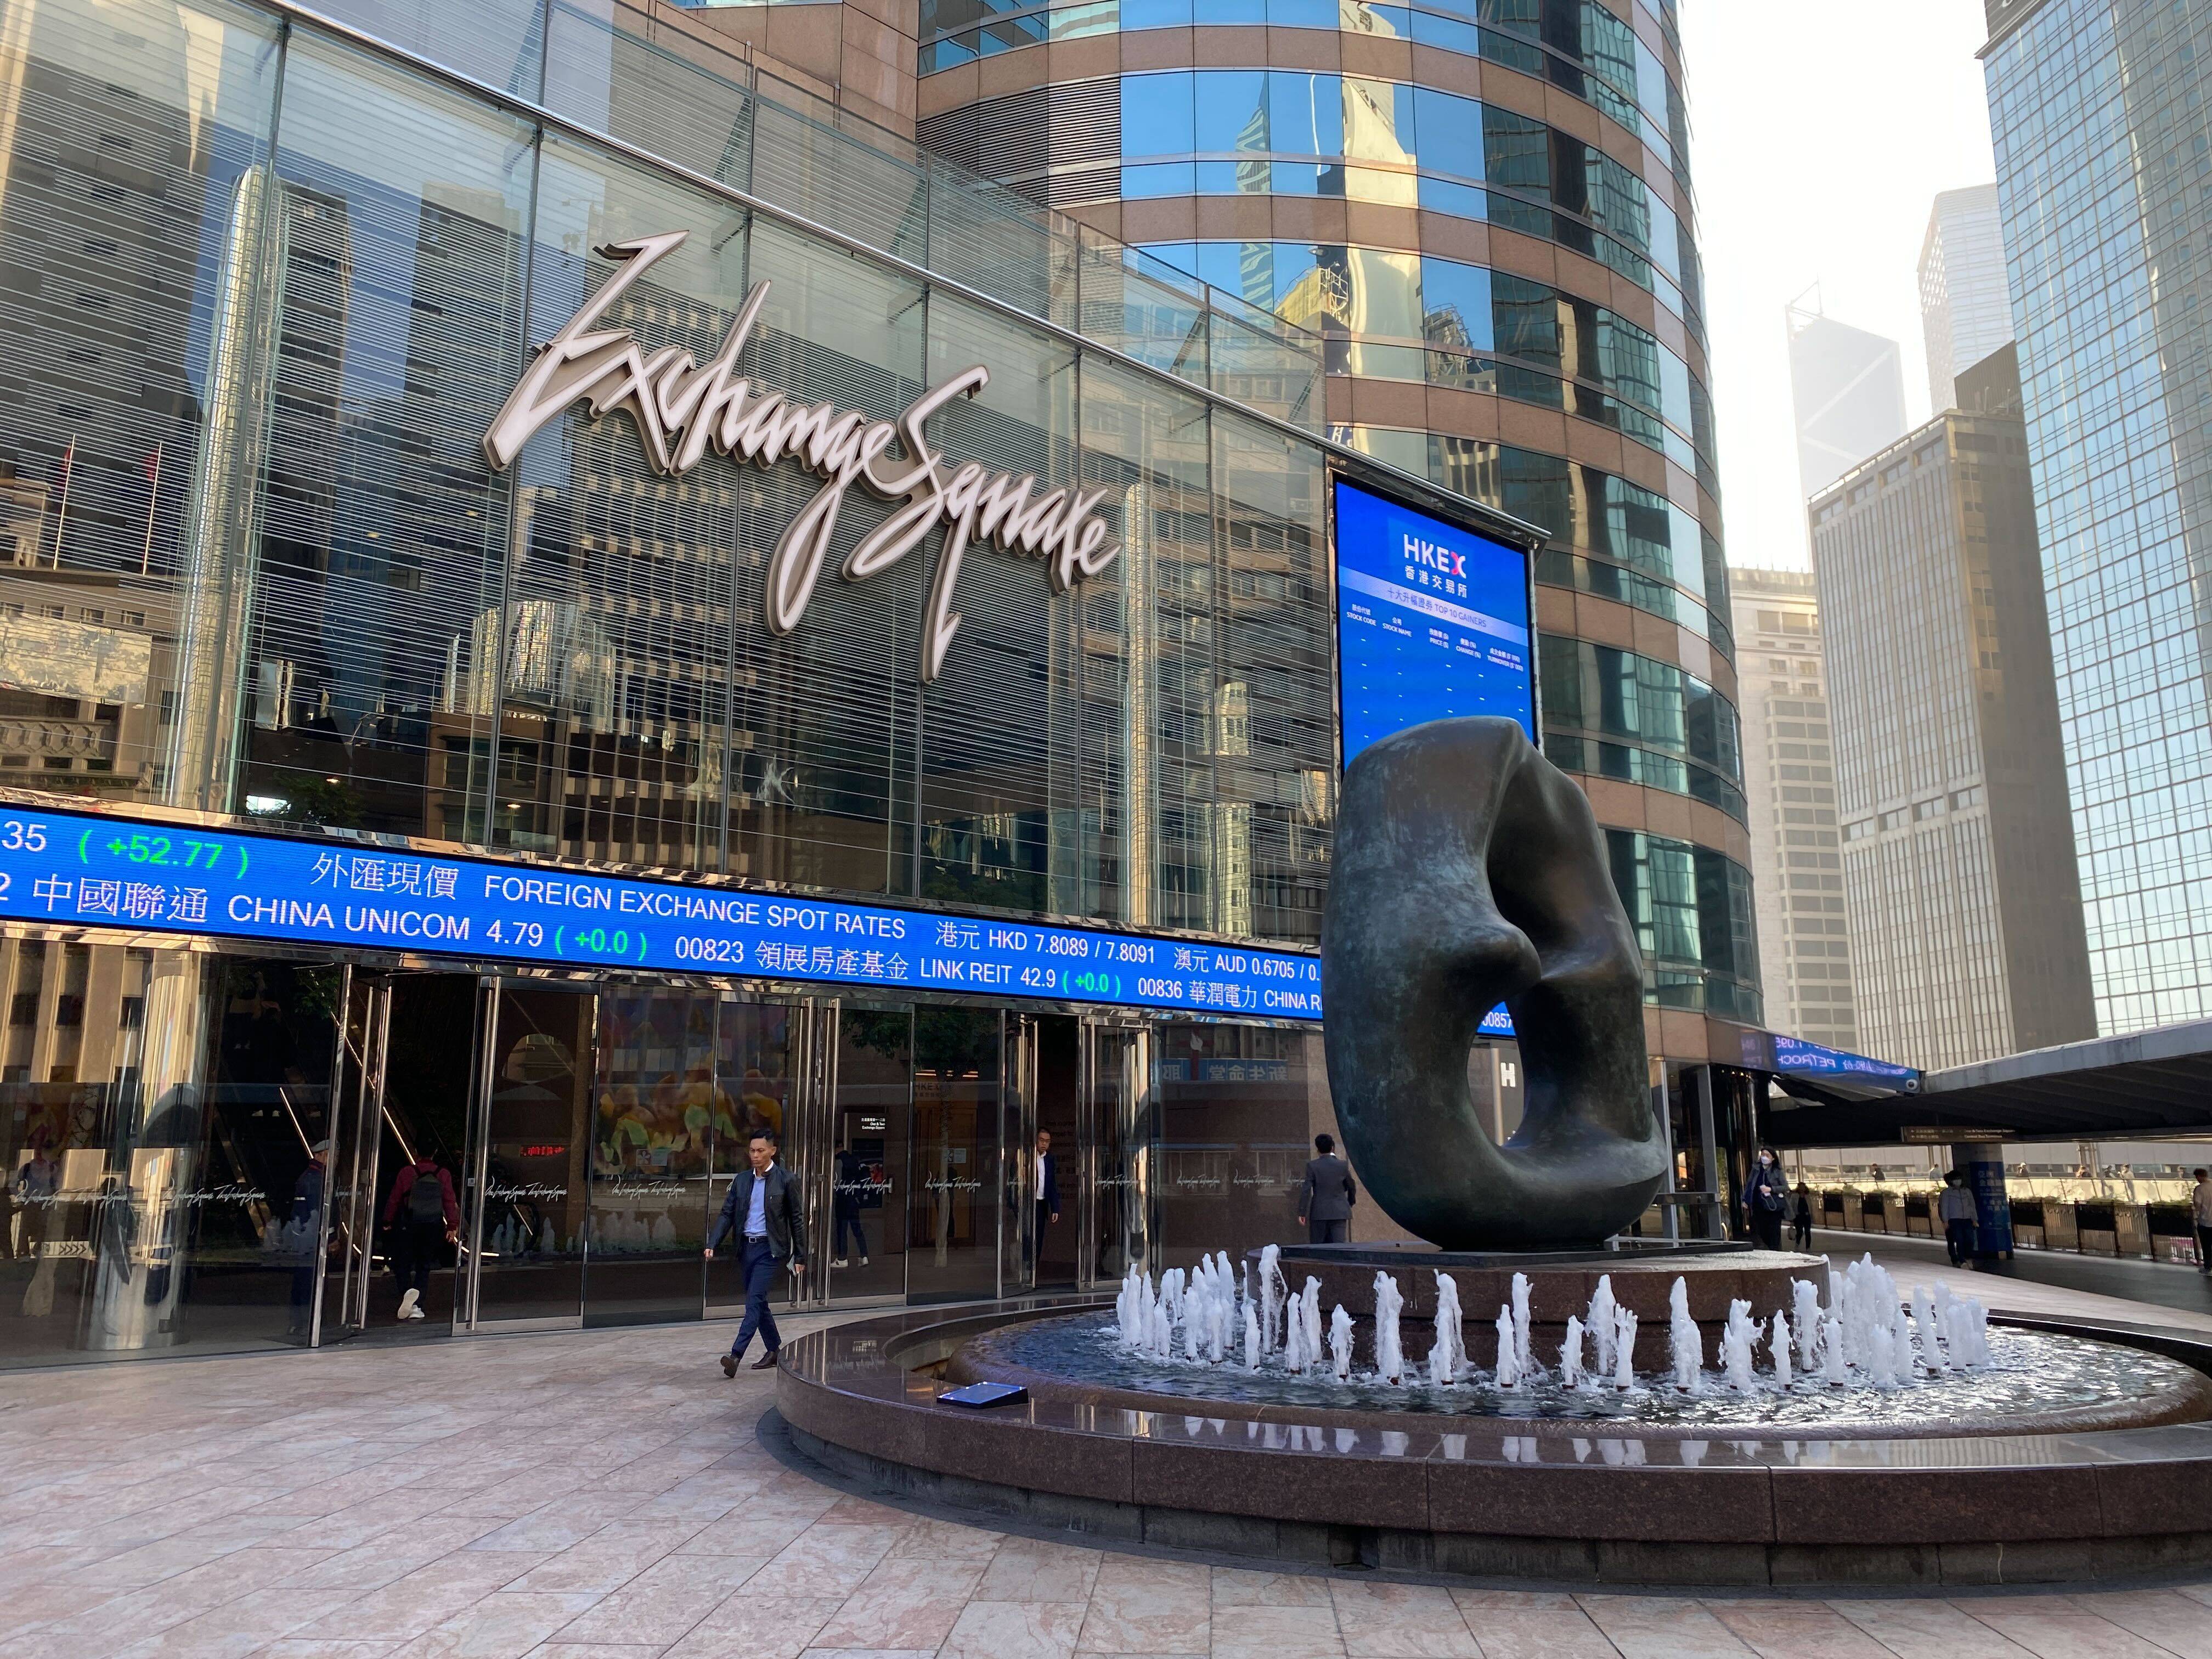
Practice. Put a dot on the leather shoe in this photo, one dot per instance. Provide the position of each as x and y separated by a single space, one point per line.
729 1364
766 1362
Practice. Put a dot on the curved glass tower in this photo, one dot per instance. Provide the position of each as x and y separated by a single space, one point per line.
1484 206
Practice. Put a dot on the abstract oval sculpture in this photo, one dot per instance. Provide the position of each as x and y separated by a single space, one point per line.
1468 871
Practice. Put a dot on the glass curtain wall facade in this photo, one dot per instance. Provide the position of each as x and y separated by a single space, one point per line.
2097 110
1484 213
272 286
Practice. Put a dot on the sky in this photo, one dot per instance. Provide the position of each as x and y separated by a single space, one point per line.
1819 135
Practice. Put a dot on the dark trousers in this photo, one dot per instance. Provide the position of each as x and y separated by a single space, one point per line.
1800 1232
1036 1237
1325 1232
848 1221
1959 1238
2204 1250
421 1243
1766 1227
760 1279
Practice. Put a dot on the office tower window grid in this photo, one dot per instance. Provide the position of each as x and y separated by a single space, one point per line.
1965 941
1789 772
1965 312
2102 136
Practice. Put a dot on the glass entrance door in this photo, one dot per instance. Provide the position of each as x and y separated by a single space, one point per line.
661 1110
762 1081
530 1185
959 1204
870 1086
401 1123
1043 1135
1114 1202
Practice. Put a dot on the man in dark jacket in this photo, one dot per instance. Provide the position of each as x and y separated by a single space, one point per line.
762 1209
1325 1202
1047 1194
422 1207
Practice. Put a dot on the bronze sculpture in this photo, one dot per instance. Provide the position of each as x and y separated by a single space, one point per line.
1469 870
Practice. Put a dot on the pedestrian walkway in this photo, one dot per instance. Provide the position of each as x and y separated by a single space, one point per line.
604 1495
2043 1282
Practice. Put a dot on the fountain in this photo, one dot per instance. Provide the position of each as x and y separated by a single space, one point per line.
1717 1413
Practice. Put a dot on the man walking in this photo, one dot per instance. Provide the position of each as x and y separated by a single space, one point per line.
2200 1212
1047 1194
762 1208
422 1202
1960 1217
1325 1201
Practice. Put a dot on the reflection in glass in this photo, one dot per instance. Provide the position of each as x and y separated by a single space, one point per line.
158 1114
658 1110
958 1206
532 1229
1235 1102
869 1112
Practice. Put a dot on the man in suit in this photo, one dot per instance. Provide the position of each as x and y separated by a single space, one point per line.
1325 1201
1047 1194
762 1209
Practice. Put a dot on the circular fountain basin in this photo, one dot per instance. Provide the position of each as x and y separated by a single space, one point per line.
2039 1382
1455 1495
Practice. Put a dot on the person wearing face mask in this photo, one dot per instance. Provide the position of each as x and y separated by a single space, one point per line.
1766 1199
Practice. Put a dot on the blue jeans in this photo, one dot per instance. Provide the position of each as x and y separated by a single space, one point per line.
760 1279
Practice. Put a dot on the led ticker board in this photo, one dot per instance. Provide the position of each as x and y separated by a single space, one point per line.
1432 621
88 870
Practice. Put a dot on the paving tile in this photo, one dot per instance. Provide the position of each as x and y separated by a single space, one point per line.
1014 1630
1237 1587
1916 1628
1506 1632
1662 1627
753 1625
2175 1622
1025 1569
499 1627
652 1618
826 1561
1168 1609
1794 1630
906 1602
2052 1634
1276 1632
1400 1621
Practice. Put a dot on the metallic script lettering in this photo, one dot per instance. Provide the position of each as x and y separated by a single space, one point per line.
681 406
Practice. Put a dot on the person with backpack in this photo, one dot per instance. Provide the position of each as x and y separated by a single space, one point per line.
427 1217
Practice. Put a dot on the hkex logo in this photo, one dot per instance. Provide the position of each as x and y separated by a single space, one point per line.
1435 558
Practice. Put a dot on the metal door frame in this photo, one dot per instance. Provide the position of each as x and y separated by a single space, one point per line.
352 1144
1021 1034
1093 1031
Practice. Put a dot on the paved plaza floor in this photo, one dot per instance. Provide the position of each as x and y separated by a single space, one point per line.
604 1495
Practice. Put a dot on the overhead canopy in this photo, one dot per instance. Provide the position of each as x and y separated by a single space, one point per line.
2150 1084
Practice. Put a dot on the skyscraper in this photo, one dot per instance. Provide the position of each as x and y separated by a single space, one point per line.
1848 395
1788 786
1965 312
1966 935
1493 229
2097 109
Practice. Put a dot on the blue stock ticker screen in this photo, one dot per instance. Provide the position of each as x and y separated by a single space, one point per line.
1432 621
72 869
